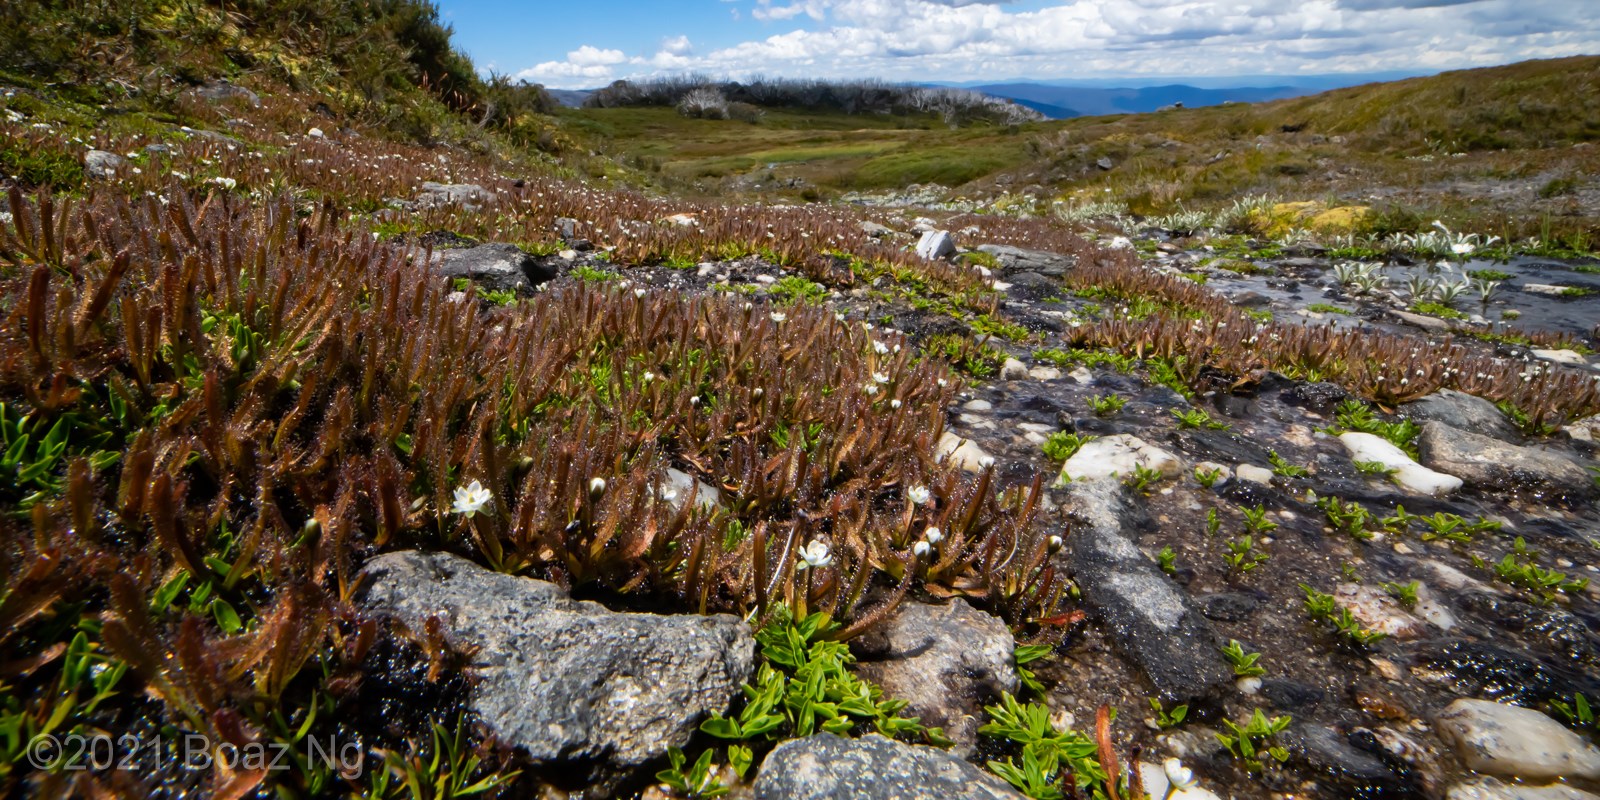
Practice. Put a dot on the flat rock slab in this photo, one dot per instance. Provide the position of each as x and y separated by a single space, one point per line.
1487 462
469 195
1152 620
495 267
1462 411
827 767
563 680
1517 742
946 661
1016 259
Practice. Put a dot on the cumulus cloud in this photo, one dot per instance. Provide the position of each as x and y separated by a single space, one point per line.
976 39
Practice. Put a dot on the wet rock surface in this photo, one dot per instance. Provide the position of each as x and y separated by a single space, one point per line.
1471 634
947 662
569 683
826 767
1153 621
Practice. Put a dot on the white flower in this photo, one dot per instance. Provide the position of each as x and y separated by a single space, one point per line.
471 499
871 389
880 348
1179 776
878 377
779 316
918 495
921 549
986 462
895 403
640 292
943 383
933 535
226 183
1461 248
668 493
649 376
815 555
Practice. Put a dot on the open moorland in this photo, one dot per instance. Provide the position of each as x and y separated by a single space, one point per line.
372 429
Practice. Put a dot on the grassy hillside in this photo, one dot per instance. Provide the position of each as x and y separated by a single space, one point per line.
1506 149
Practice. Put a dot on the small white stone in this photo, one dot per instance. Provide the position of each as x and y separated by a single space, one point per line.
1254 474
1225 472
963 453
1409 475
1117 456
1044 373
977 405
1082 375
1013 370
1377 611
1562 356
1156 785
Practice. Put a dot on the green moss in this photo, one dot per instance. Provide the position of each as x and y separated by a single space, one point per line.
43 167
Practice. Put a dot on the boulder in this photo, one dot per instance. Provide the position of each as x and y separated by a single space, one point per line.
102 165
947 662
1118 456
936 245
219 90
1408 474
1491 463
568 682
1462 411
827 767
1157 624
496 267
468 195
1512 741
1016 259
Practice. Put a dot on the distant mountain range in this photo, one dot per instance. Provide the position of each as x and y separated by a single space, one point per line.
1061 102
1060 99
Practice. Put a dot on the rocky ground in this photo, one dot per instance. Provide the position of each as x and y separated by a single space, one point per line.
1463 615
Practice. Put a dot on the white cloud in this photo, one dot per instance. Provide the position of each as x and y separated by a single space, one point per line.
975 39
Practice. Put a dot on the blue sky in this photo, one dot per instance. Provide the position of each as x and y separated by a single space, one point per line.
589 43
